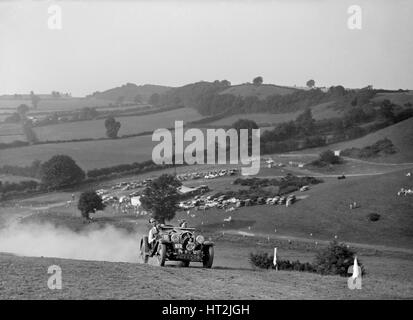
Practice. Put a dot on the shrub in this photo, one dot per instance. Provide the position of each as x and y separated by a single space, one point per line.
329 157
373 217
335 259
265 261
261 260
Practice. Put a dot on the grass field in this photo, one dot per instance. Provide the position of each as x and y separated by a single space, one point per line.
88 154
399 98
26 278
10 132
261 91
321 111
10 178
400 134
52 105
129 125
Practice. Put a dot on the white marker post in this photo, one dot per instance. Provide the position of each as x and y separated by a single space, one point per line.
275 259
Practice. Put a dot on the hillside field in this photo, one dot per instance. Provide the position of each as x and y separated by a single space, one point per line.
401 134
262 91
321 111
88 154
129 125
52 104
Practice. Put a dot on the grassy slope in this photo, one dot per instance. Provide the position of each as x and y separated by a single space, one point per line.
320 111
399 98
325 212
401 134
88 154
129 92
262 91
129 125
26 278
52 105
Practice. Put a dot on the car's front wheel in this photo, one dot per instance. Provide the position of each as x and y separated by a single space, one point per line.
208 257
162 254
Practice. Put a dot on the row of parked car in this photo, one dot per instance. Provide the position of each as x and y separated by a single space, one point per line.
222 202
125 186
207 175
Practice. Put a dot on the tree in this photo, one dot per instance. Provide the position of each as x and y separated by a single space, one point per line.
29 132
61 170
56 94
22 109
112 127
89 202
257 81
154 99
305 122
161 197
35 99
310 83
329 157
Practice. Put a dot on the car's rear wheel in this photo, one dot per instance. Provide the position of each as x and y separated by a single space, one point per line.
208 257
144 250
162 254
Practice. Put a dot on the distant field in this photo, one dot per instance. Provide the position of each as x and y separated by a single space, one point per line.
88 154
129 125
11 178
325 212
396 97
401 134
261 91
321 111
52 105
10 132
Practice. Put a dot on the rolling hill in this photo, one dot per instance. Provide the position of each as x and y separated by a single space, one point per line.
320 111
262 91
129 91
401 134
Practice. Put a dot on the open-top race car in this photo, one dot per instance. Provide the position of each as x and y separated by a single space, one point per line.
178 244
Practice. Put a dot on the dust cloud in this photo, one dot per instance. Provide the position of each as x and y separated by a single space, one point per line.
36 240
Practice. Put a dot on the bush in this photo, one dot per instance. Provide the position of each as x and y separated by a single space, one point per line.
381 147
261 260
329 157
335 259
265 261
373 217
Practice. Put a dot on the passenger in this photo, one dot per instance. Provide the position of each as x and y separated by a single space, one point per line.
183 224
153 232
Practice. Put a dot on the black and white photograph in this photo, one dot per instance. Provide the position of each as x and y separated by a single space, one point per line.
234 151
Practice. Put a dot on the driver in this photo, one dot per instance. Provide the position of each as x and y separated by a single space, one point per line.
153 232
183 224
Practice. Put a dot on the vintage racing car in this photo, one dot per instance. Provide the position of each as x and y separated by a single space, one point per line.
178 244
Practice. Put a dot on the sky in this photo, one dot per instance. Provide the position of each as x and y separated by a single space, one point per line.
104 44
